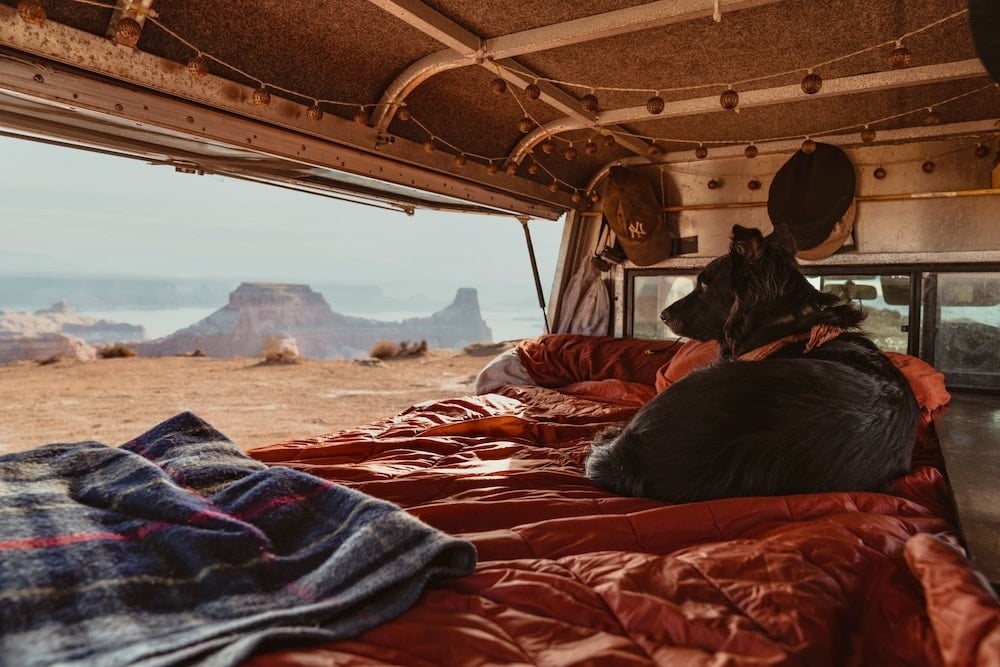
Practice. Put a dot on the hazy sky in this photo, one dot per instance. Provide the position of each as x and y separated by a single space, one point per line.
72 211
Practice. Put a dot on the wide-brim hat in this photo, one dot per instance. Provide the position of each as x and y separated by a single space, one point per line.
811 193
984 23
635 215
841 231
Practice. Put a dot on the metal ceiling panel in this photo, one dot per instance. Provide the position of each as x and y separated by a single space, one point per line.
363 60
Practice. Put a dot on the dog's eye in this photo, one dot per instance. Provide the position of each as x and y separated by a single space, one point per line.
702 286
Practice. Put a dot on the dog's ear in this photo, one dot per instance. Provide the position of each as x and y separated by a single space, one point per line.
782 238
746 242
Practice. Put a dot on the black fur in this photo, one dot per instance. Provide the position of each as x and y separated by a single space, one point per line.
839 417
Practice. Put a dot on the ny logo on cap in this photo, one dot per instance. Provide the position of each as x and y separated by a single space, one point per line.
636 229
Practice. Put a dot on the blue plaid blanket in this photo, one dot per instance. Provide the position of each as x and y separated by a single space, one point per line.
178 548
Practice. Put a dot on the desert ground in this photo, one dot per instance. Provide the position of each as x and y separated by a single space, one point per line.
252 403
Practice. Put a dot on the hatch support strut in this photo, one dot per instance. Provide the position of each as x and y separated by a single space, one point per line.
523 219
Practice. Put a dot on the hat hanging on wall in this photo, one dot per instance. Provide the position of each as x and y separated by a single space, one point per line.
984 22
813 193
838 238
634 214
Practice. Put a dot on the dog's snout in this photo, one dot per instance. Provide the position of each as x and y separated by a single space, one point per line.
669 314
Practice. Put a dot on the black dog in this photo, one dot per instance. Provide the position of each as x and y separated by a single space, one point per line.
824 412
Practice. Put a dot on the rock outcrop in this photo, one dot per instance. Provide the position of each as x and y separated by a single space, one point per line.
257 311
60 318
44 346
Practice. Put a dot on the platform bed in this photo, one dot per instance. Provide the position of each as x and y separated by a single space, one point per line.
493 548
568 574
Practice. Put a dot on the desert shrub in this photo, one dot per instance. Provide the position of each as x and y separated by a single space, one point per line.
115 351
281 350
54 359
407 350
383 349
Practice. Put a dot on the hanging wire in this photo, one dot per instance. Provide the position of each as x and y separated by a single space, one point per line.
154 19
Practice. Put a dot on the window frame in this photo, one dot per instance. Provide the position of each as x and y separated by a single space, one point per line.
921 326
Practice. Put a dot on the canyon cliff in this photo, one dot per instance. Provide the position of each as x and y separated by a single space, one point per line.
257 311
60 318
57 331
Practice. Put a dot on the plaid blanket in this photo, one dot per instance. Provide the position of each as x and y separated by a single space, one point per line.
178 548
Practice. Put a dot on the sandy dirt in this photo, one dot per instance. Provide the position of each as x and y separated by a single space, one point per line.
114 400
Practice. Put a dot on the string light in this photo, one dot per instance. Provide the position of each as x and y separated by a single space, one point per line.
812 83
819 133
981 150
525 125
808 146
928 167
657 91
261 97
32 11
879 173
900 56
198 66
934 157
729 99
128 31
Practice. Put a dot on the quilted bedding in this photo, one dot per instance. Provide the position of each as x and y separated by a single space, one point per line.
568 574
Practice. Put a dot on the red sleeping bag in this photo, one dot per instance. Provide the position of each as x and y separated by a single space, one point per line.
571 575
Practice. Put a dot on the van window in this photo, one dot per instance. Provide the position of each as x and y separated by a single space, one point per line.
958 315
886 318
886 323
966 342
650 295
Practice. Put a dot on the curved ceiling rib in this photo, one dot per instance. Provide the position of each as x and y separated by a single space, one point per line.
465 49
848 85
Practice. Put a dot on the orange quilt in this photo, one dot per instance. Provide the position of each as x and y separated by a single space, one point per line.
571 575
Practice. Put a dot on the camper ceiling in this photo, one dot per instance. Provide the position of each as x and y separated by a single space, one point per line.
424 76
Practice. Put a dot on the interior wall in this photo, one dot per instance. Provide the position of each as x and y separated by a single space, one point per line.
945 229
926 225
